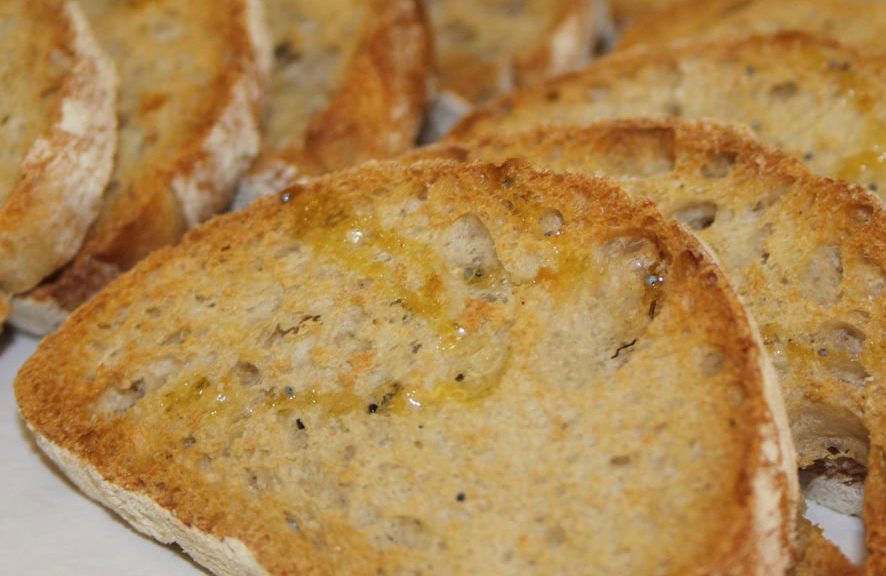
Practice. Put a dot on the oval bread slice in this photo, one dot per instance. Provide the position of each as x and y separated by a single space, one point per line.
861 22
807 95
192 78
806 254
439 368
58 131
349 84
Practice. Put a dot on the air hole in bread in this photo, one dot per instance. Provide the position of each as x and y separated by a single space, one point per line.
175 338
673 109
118 401
642 255
697 215
871 277
861 214
784 90
405 531
718 165
841 337
246 373
555 535
824 273
711 364
551 221
467 243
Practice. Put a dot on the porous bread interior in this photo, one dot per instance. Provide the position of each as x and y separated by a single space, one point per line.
860 22
38 47
312 42
375 389
479 44
807 254
172 58
809 96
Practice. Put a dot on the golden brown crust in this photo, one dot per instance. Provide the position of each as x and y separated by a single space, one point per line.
153 202
834 399
57 398
853 22
767 82
45 217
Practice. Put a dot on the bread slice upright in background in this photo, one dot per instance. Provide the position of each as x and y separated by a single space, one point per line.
57 137
809 96
807 255
858 22
485 48
349 83
192 77
443 368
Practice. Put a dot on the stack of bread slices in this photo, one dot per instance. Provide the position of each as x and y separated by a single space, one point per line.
619 315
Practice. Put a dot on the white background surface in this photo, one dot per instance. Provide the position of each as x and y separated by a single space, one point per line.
48 528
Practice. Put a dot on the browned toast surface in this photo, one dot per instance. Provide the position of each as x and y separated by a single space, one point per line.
391 370
810 96
807 254
191 81
57 137
861 22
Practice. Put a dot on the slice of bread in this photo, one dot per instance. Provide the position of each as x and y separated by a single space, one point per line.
484 48
850 21
58 134
807 255
349 84
812 97
438 368
191 83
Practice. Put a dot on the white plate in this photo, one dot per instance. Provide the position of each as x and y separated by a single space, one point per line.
48 527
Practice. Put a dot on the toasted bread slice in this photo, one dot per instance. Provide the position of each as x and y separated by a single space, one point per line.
484 48
807 254
58 131
812 97
437 368
860 22
191 82
349 84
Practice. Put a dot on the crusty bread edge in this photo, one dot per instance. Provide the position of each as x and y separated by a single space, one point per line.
775 486
227 556
37 317
73 178
208 184
233 142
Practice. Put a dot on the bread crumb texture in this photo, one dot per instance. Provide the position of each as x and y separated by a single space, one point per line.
809 96
439 368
